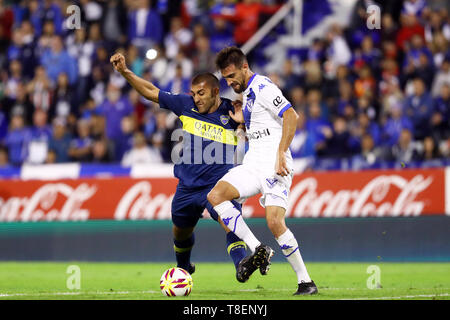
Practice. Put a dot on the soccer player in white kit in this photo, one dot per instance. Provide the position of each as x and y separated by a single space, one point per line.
270 124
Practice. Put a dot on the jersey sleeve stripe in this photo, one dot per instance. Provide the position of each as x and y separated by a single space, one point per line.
280 114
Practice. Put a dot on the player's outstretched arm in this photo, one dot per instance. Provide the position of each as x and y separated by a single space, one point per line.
145 88
290 118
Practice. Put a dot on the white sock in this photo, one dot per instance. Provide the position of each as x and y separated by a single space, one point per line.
233 219
289 247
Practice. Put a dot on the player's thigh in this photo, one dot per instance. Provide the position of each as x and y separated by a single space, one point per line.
275 191
241 182
185 209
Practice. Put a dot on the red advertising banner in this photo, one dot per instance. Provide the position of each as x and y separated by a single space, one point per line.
383 193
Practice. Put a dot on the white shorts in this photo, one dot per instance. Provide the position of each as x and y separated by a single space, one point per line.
249 182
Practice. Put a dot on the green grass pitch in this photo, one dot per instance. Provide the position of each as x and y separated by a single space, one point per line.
216 281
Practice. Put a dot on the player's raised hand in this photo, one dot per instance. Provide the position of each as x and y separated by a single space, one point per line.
281 167
118 61
238 115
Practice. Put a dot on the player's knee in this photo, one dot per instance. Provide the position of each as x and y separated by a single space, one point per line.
275 224
214 197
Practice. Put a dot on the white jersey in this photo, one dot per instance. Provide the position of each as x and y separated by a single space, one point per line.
263 108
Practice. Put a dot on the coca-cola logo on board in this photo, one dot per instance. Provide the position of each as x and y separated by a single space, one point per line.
137 203
391 195
40 206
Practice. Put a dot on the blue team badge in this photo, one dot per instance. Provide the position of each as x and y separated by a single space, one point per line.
224 119
271 182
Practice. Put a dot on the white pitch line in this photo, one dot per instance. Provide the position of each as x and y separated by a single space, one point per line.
403 297
72 293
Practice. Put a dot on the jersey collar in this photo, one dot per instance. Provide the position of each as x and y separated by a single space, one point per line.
250 81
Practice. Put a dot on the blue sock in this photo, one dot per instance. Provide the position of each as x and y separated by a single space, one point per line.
183 252
236 248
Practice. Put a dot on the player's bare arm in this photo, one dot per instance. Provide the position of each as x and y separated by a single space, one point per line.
290 118
145 88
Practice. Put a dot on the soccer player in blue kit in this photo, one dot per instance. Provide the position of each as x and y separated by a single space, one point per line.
208 134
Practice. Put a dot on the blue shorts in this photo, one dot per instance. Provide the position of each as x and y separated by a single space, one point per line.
188 205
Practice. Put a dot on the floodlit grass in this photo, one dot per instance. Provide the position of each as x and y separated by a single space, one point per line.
216 281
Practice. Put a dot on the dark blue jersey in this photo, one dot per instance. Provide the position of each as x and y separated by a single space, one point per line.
208 144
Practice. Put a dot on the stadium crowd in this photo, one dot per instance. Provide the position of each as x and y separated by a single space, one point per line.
366 94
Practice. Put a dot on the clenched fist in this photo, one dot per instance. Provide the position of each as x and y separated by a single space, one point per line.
118 61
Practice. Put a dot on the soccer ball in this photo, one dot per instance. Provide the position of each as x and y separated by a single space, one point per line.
175 282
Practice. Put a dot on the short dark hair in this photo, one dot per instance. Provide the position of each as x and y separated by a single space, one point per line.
210 79
229 56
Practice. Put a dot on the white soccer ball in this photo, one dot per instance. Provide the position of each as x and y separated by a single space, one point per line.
176 282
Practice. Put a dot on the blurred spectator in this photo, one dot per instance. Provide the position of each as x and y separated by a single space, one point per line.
178 84
297 98
40 89
365 105
346 97
405 150
40 134
101 153
17 139
316 52
63 101
442 77
389 28
114 108
418 61
289 78
440 119
161 137
203 58
114 22
365 84
125 141
178 39
45 39
135 61
80 149
314 97
57 60
140 152
430 150
4 161
82 49
6 24
3 125
14 79
51 157
337 140
304 141
364 126
145 28
317 126
410 26
419 108
59 142
221 35
313 78
369 154
246 18
338 52
394 125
